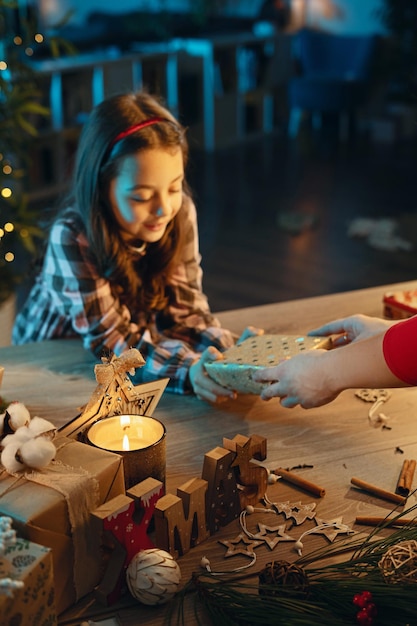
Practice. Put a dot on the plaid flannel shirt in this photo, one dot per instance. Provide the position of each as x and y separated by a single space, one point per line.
70 298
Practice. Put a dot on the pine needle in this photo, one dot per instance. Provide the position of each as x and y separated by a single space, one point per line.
328 597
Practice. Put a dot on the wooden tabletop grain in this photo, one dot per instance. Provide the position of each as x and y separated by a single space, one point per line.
336 442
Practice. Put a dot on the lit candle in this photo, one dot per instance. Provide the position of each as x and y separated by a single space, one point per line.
139 439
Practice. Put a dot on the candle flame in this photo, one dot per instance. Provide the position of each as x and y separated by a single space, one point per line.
126 443
124 421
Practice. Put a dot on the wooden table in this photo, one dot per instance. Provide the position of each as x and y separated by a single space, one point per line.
55 378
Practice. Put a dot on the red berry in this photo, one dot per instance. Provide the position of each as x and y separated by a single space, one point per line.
367 596
359 600
363 618
371 609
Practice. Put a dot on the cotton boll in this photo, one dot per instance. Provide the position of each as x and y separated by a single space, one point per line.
19 414
37 453
39 426
16 415
21 435
8 458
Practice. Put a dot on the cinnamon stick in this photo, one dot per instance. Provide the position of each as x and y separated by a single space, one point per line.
377 491
290 477
405 479
376 521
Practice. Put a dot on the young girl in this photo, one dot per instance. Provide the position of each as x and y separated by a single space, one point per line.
371 352
122 265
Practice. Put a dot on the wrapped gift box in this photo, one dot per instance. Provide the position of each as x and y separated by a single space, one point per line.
234 370
52 508
33 604
399 305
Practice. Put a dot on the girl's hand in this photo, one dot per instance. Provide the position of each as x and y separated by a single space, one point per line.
204 387
353 328
250 331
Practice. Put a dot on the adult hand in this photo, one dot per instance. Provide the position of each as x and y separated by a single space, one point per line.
304 379
353 328
204 387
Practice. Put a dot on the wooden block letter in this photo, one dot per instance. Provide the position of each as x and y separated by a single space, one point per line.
123 524
252 478
222 498
180 521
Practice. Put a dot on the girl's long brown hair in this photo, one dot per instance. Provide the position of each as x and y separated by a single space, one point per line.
139 281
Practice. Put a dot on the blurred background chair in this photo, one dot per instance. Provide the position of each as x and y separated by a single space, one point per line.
332 76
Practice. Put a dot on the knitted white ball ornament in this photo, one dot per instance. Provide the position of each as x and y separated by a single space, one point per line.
153 576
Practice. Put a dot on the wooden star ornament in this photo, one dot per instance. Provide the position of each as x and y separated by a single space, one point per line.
272 541
330 529
240 545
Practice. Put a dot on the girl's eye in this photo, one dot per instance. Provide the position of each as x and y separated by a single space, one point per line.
179 190
139 199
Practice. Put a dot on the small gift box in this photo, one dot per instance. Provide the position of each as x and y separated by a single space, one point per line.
52 507
32 603
400 305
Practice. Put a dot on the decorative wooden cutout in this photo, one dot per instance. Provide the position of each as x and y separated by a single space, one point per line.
252 478
240 545
330 529
297 510
123 523
115 393
271 541
180 521
222 498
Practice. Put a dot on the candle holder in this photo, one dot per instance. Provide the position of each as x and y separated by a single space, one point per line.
139 439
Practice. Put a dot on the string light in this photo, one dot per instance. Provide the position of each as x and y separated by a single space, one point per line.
11 66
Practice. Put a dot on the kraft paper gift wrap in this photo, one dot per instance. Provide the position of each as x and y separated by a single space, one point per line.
52 507
33 604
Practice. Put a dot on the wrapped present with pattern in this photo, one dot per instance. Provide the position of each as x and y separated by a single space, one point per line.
27 596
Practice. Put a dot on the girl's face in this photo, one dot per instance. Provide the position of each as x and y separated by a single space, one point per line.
147 193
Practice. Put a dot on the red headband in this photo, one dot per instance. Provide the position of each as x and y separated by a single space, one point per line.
135 127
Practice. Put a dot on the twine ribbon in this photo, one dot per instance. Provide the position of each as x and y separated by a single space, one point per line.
127 362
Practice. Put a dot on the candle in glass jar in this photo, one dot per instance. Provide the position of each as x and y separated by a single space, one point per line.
139 439
125 432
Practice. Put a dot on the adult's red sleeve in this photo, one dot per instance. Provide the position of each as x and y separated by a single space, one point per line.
400 350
